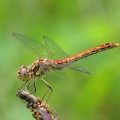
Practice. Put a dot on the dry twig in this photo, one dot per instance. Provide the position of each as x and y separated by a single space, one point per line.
39 108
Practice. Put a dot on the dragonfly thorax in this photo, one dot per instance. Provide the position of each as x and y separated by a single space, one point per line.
41 66
38 69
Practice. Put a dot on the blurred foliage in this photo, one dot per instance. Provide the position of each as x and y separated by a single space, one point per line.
75 25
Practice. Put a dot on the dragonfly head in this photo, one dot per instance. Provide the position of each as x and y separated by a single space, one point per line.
23 73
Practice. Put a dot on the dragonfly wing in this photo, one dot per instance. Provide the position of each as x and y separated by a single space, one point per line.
36 47
55 75
48 49
53 50
79 68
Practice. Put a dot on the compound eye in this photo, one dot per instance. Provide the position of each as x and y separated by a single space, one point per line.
23 73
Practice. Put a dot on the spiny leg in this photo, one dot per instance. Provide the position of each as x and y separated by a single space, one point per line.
47 84
49 88
46 94
35 88
29 85
49 95
23 85
34 84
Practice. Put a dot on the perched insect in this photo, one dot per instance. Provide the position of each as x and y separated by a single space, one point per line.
52 60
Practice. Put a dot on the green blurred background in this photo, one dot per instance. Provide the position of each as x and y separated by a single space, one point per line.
75 25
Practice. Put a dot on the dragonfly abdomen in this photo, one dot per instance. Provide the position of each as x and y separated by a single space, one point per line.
89 52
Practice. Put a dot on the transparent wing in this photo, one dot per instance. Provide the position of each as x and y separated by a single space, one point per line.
58 53
55 75
47 49
54 51
36 47
78 68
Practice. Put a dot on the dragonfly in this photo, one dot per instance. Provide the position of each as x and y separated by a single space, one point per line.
52 60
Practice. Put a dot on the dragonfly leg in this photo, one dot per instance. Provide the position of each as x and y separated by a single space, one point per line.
30 85
47 84
23 85
35 86
49 88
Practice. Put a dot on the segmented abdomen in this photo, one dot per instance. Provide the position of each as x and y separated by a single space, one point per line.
88 53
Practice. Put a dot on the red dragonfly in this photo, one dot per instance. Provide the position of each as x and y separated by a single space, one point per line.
52 60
